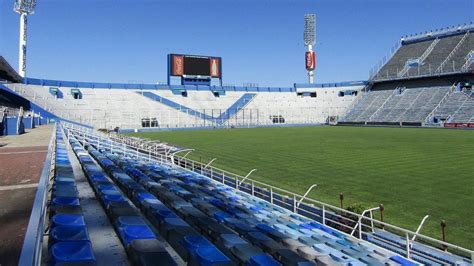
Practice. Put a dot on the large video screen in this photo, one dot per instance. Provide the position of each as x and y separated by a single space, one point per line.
189 65
197 66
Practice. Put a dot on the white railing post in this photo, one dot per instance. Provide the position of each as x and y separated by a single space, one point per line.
294 203
271 195
407 239
372 221
324 215
253 189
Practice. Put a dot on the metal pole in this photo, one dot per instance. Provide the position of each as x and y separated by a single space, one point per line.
443 234
251 171
209 163
22 47
341 198
382 208
420 227
305 194
407 239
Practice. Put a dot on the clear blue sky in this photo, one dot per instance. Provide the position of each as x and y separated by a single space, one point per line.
260 41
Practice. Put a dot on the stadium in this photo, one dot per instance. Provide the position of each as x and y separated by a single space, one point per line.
196 171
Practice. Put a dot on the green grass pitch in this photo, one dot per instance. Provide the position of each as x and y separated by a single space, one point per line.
412 171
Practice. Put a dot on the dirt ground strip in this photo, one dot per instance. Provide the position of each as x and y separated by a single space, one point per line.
21 160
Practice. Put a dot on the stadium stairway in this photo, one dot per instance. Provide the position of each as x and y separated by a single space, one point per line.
199 217
221 119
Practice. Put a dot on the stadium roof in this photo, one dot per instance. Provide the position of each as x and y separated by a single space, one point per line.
7 72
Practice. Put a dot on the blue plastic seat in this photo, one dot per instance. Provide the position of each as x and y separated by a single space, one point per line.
68 220
68 233
207 256
257 237
72 252
110 192
98 177
262 260
113 198
164 213
71 201
175 222
402 261
132 232
231 240
107 187
129 220
144 196
193 242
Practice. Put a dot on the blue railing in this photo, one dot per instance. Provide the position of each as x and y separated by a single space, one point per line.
331 85
438 33
236 107
140 86
176 106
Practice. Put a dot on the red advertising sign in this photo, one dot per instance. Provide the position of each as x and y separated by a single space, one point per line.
215 67
459 125
178 65
449 125
310 60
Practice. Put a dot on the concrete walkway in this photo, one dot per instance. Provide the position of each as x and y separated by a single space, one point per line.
21 160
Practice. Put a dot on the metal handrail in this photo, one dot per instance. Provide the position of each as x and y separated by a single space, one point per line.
216 172
451 54
440 102
32 244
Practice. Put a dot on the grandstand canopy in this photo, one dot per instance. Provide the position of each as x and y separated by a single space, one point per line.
7 73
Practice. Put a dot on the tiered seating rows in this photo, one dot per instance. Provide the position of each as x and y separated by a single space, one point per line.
68 237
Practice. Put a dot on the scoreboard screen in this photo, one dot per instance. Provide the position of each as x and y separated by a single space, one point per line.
192 65
197 66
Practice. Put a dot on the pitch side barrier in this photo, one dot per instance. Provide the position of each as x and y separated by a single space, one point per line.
344 221
382 124
156 129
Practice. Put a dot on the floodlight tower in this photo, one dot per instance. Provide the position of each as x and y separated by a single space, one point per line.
24 8
309 41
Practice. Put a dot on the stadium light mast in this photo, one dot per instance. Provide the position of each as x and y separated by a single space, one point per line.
309 41
24 8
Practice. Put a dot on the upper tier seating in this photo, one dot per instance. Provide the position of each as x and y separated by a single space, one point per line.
444 54
399 59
